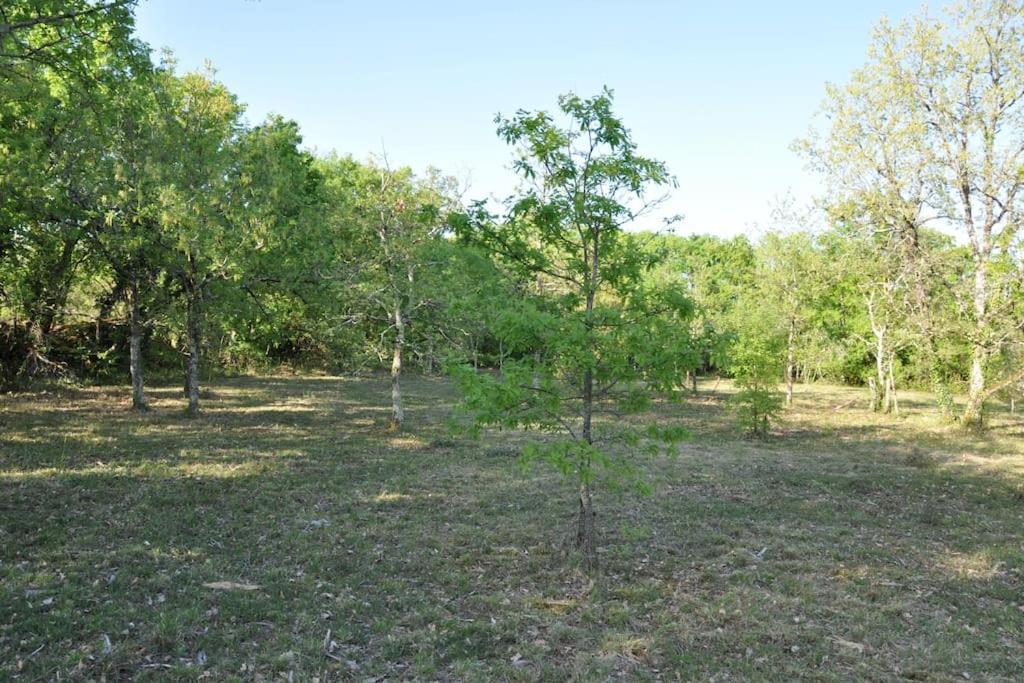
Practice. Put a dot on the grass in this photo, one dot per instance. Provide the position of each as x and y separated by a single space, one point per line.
848 545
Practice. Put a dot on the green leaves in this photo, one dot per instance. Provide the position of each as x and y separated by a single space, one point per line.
591 338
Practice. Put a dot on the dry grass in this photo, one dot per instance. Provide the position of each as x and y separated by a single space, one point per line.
848 545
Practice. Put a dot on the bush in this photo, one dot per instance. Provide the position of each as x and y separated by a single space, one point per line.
757 407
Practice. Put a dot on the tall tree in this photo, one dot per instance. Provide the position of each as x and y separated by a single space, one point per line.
391 218
933 125
201 122
608 342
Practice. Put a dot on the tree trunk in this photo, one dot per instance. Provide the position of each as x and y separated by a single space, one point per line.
106 305
887 394
892 404
973 415
790 361
194 340
397 411
585 531
135 347
882 394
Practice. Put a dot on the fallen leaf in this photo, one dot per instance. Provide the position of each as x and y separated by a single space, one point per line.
231 586
859 647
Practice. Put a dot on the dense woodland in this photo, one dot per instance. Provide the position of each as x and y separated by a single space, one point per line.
149 231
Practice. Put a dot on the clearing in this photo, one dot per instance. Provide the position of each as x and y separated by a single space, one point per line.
849 545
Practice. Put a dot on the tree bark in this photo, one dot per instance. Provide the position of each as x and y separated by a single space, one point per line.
973 412
892 404
691 380
790 361
135 347
397 410
194 340
882 394
585 530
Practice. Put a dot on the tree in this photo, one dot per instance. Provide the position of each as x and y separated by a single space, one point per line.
62 34
755 360
391 217
55 169
608 341
933 128
127 236
714 273
201 122
789 277
872 266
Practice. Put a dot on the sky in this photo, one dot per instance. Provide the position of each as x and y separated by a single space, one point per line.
718 91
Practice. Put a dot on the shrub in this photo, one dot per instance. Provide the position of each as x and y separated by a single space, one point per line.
757 407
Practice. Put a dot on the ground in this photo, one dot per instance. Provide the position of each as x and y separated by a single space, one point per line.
847 545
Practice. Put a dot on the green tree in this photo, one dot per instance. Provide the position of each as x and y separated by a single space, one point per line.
931 129
201 123
391 219
789 276
608 341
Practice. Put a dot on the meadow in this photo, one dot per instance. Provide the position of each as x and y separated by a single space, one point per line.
287 534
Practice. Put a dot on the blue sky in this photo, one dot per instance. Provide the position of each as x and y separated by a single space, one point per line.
717 90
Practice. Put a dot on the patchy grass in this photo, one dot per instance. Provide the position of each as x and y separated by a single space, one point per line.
848 545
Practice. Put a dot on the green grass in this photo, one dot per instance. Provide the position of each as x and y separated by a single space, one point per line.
848 545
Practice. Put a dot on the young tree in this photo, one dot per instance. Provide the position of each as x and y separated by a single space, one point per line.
789 277
755 360
608 341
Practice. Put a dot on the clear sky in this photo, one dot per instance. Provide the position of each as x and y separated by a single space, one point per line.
717 90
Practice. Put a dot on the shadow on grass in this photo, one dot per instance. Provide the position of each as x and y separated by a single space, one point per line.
427 556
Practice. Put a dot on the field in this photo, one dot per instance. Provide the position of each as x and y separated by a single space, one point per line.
848 545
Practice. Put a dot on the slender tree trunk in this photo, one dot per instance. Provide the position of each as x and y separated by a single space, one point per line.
790 361
585 530
397 410
892 404
192 324
135 347
881 395
973 416
973 412
1013 405
887 397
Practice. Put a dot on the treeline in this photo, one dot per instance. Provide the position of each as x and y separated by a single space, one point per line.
147 228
